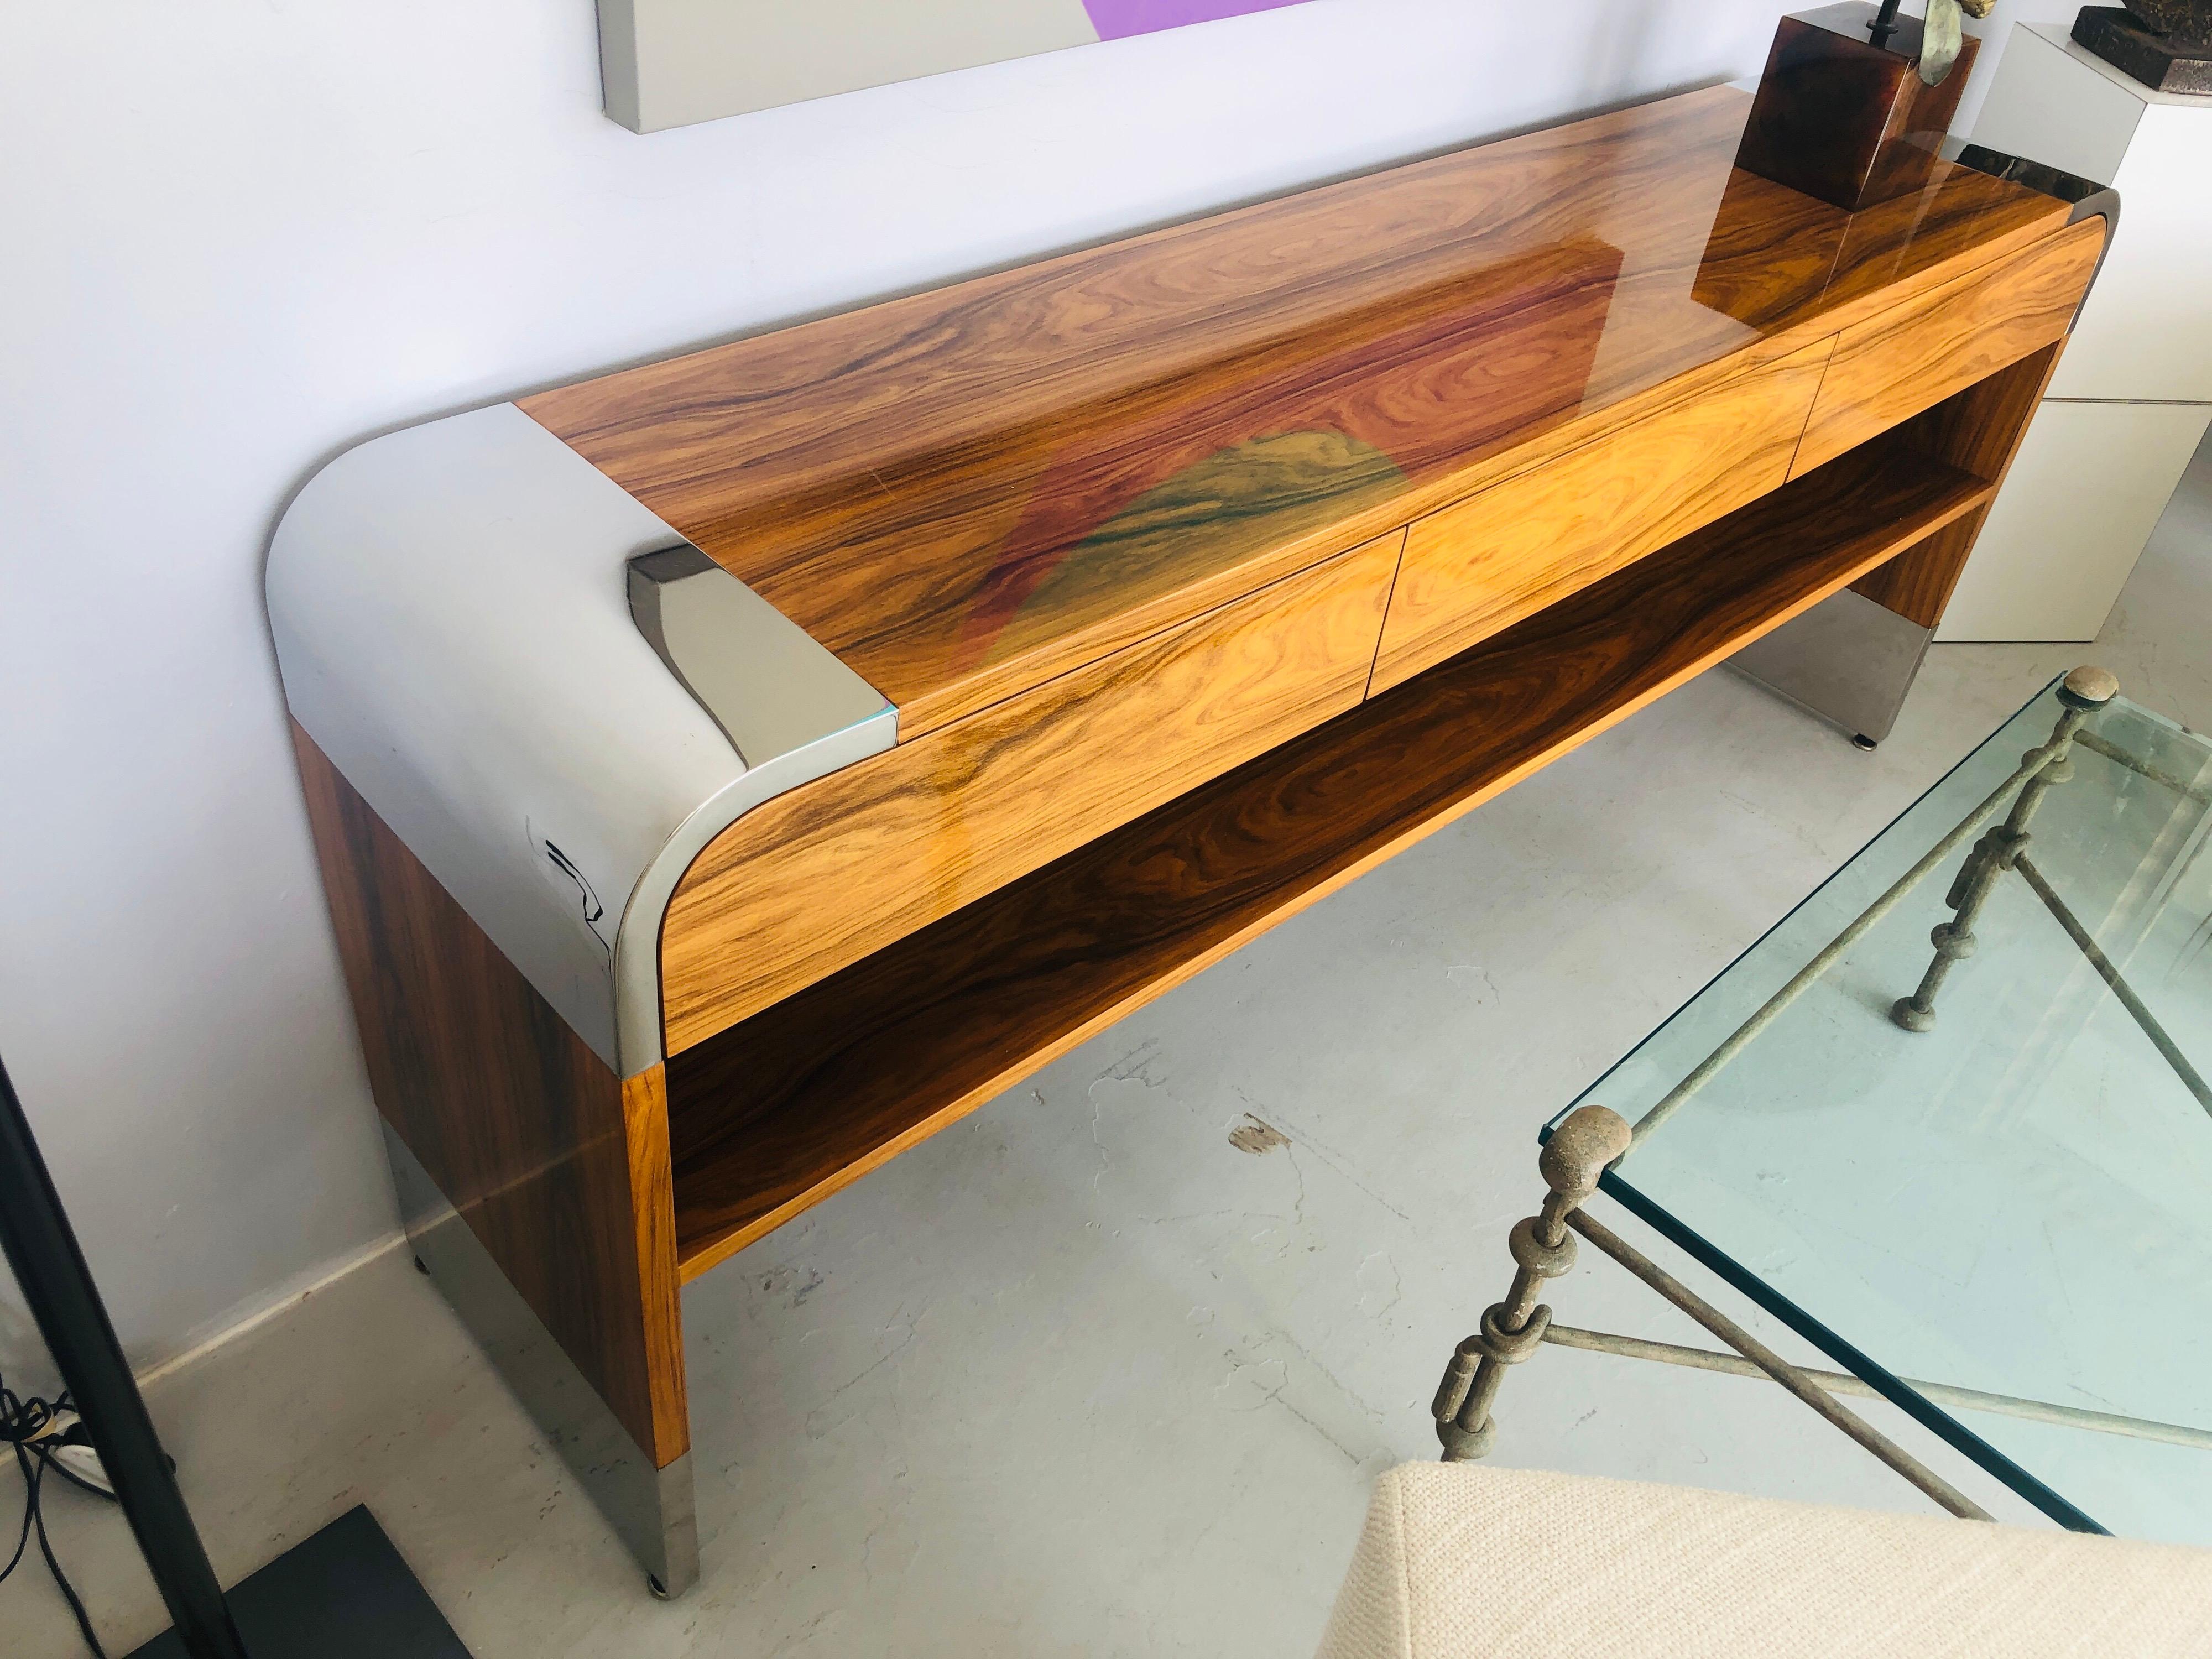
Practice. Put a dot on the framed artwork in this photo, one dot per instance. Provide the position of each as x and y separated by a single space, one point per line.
669 63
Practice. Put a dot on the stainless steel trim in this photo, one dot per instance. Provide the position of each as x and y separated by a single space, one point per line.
1847 659
760 675
650 1510
453 623
637 948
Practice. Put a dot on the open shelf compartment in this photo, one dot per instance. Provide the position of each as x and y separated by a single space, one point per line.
772 1115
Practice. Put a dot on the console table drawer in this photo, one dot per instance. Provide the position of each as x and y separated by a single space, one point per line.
1486 562
1890 367
816 879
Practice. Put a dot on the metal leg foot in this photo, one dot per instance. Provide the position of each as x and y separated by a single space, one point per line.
1462 1447
1908 1012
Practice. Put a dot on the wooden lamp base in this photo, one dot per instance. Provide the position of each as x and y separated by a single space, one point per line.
1845 119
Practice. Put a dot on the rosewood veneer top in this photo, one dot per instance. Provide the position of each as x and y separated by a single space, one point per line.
967 491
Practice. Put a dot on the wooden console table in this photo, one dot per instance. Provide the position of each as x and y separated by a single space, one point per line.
728 772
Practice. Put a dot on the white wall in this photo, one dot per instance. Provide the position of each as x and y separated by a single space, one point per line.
239 236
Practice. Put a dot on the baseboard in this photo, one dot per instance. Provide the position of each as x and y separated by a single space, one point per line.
251 1315
243 1321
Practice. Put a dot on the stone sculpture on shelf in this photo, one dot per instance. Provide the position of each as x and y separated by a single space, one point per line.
2165 43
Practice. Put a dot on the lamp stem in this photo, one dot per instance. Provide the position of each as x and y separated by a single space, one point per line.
42 1249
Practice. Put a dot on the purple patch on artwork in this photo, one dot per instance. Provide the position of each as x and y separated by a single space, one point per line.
1116 20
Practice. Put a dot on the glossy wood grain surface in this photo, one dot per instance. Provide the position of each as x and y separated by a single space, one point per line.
777 1113
966 492
818 879
1484 564
1892 366
560 1167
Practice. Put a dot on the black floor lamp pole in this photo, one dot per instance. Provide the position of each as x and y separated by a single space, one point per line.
41 1248
345 1593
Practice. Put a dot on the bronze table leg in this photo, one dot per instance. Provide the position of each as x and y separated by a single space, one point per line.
1572 1162
2084 691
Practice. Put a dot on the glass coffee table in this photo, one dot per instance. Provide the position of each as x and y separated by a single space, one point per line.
1945 1121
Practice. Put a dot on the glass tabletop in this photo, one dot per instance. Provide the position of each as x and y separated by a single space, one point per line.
2016 1200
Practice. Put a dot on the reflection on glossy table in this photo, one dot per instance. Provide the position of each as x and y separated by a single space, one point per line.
964 492
2014 1200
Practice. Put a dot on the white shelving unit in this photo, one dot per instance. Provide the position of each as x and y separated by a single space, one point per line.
2133 395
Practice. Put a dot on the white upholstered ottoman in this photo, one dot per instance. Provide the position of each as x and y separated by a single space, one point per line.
1460 1561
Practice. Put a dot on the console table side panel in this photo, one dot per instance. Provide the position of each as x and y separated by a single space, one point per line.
560 1167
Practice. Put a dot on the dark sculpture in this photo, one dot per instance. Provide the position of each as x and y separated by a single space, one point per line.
2189 18
2164 44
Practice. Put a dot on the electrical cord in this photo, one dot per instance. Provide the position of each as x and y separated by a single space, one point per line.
38 1431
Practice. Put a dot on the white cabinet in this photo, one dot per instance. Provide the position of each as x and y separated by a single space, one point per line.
2086 492
2133 395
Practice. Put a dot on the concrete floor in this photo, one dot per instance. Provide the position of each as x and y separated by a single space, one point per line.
1087 1373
